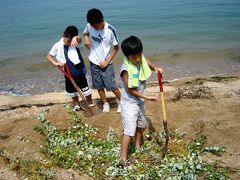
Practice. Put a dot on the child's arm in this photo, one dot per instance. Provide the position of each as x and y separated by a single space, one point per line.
153 67
54 61
104 63
76 40
134 92
87 41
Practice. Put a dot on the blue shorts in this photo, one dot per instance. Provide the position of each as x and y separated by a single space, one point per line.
103 78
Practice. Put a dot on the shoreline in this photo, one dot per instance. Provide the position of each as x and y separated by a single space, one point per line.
51 98
39 76
149 82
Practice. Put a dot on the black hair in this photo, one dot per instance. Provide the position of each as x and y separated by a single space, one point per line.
131 46
94 16
70 32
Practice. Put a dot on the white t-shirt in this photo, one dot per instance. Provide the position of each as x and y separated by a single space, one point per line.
58 52
101 42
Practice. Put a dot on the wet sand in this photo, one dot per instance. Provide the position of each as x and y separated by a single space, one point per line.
37 76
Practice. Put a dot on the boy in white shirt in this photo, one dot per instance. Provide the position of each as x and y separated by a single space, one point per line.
66 53
99 36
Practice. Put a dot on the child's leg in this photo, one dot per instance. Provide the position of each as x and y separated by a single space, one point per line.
129 123
89 98
117 93
138 137
124 147
102 95
141 126
106 107
75 101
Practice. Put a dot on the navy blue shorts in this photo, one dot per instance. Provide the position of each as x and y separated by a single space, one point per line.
81 82
103 78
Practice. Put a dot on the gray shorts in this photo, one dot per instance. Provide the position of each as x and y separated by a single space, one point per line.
103 78
133 116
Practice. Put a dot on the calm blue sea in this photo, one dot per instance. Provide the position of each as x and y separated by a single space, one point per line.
187 37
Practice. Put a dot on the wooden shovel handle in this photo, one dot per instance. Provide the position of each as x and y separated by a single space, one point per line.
162 95
78 90
163 107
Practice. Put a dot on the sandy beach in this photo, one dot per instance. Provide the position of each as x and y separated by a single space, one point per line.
207 105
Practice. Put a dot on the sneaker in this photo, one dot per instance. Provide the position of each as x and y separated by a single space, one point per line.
91 105
106 108
119 109
76 108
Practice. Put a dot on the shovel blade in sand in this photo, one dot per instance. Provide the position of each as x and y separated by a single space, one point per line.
90 111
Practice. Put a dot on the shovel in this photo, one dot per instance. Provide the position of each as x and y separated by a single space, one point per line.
90 110
165 124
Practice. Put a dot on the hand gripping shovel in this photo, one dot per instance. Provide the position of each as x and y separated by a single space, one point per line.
90 110
165 125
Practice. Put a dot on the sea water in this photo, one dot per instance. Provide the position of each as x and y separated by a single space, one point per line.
186 38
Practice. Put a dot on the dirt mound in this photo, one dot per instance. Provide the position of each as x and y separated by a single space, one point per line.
193 90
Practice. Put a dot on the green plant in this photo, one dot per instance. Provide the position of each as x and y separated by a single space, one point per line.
80 148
